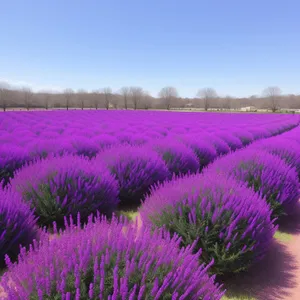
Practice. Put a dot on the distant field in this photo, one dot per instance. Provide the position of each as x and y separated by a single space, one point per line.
114 196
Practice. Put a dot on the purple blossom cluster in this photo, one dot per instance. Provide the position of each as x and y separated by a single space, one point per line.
229 222
74 163
267 174
110 261
17 225
135 169
39 134
179 158
61 186
285 148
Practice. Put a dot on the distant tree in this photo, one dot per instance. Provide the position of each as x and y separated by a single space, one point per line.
47 100
272 93
207 94
96 98
227 102
125 92
46 96
147 100
4 92
136 94
114 101
81 93
68 96
107 96
27 93
168 94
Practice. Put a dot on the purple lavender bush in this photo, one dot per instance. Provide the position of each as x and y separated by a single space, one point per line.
136 170
17 225
220 146
12 158
60 186
110 261
245 136
228 221
233 142
84 146
178 157
267 174
288 150
204 151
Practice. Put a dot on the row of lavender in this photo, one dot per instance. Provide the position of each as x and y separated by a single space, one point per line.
25 137
232 208
87 186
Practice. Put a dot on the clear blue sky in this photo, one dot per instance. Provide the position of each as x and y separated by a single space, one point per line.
236 46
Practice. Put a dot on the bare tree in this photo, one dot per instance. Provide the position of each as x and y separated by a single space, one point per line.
107 96
207 94
168 94
136 94
68 96
27 93
125 92
147 100
272 93
226 103
115 101
96 95
81 93
46 96
4 92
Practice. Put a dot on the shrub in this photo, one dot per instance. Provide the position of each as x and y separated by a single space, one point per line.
135 168
17 225
11 159
108 261
220 146
204 151
288 150
245 136
84 146
230 223
233 142
105 140
265 173
60 186
179 158
41 148
259 133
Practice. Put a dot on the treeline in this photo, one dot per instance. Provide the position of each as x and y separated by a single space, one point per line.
137 98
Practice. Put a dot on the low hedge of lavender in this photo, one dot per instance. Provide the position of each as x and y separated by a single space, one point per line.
179 158
245 136
205 151
228 221
12 158
59 186
233 142
288 150
109 261
220 145
267 174
136 170
17 225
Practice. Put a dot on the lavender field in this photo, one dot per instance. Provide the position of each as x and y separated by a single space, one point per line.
141 204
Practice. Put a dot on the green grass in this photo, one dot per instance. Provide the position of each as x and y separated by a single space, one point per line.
282 236
237 298
130 214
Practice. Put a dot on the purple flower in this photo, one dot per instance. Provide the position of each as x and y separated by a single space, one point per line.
155 260
60 186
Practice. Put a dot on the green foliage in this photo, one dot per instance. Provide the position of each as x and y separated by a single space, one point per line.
208 237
